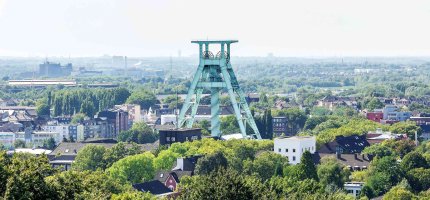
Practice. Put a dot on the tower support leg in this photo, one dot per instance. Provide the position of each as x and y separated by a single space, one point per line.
215 123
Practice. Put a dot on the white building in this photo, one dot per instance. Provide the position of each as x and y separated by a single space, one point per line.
168 119
353 188
294 147
62 129
7 139
392 112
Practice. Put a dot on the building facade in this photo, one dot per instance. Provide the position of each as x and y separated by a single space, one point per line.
280 127
170 136
294 147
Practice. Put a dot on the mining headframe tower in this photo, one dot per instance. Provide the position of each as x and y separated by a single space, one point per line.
216 73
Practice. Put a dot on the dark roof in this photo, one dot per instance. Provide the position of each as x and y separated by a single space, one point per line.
177 175
154 187
186 164
353 143
346 159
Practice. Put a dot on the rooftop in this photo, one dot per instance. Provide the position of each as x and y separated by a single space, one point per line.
295 137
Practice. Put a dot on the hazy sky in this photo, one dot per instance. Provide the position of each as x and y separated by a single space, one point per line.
162 27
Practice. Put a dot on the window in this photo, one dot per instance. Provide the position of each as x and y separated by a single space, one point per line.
173 139
279 150
286 150
294 150
167 139
294 158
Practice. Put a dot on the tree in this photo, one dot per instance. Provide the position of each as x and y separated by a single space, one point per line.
133 169
306 168
378 184
419 179
210 163
165 160
90 158
49 143
413 160
134 195
26 177
119 151
19 143
407 127
399 193
144 98
224 184
401 147
139 133
265 165
88 108
78 118
4 172
296 118
378 150
42 107
74 184
229 125
331 172
373 104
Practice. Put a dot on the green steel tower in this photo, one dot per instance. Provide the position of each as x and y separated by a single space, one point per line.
216 73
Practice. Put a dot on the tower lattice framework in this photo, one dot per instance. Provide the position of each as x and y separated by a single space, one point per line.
216 73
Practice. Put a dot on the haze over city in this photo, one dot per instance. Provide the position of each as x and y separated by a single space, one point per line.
151 28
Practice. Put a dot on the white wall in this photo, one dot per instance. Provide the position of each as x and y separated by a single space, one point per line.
294 147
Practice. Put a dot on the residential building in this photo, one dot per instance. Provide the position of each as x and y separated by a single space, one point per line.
133 110
392 113
375 116
331 102
118 117
183 167
155 187
170 136
280 127
354 161
294 147
345 145
353 188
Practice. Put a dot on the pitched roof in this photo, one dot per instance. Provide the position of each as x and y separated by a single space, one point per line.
154 187
351 160
353 143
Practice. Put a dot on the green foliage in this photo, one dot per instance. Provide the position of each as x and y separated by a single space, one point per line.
399 193
19 143
210 163
372 104
401 147
84 185
49 143
306 168
134 195
265 165
78 118
407 127
354 126
89 101
133 169
4 172
139 133
204 125
42 107
90 158
229 125
144 98
165 160
331 172
378 150
413 160
119 151
296 118
419 179
229 185
26 177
